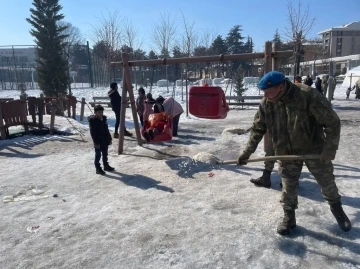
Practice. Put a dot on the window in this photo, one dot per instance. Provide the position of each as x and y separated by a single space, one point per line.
23 59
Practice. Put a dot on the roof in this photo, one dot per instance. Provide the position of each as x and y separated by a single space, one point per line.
347 27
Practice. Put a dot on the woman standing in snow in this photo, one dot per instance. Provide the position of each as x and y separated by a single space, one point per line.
172 108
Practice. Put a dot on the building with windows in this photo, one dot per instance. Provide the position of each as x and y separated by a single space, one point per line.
20 57
342 40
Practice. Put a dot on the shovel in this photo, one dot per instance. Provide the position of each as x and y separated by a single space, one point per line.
275 158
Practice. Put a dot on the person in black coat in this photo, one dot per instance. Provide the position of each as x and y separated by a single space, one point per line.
101 137
318 84
308 81
115 100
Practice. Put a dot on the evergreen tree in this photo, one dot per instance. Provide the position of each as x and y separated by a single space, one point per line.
52 66
152 55
177 52
218 46
249 46
235 45
239 77
234 40
277 37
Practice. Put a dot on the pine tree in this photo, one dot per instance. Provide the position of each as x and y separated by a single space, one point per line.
218 46
52 66
239 77
152 55
249 46
177 52
234 40
277 38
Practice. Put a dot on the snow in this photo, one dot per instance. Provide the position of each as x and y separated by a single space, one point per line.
351 77
161 210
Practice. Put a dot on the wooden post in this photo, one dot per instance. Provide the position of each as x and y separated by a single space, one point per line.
61 104
73 107
24 112
127 87
2 125
82 109
275 60
269 63
132 101
122 114
41 110
267 57
52 118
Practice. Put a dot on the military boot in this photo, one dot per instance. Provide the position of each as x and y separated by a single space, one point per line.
340 216
288 223
263 181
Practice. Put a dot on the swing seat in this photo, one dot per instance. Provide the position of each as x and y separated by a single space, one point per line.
208 102
166 134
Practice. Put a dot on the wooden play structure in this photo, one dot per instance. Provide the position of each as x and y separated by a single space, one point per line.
16 112
270 56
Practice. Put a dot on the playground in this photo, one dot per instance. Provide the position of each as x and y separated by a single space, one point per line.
159 209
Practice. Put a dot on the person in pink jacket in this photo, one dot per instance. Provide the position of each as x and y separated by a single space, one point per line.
172 108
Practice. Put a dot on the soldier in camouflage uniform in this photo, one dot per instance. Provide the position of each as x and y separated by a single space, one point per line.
297 118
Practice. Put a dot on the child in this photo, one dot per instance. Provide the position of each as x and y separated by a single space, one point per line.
348 92
156 124
140 105
101 137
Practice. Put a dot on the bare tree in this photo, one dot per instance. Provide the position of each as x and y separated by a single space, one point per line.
73 33
300 23
189 38
130 36
163 34
208 37
109 31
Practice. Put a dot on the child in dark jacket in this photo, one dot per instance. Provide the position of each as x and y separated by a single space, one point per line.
101 137
140 106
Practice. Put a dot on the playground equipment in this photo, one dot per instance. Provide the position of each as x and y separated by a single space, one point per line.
208 102
15 112
270 56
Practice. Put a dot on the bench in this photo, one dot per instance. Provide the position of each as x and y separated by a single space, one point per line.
3 100
241 100
105 100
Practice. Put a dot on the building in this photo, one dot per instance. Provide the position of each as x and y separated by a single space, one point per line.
11 56
342 40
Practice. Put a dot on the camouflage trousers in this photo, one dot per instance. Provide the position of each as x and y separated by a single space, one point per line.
269 151
323 173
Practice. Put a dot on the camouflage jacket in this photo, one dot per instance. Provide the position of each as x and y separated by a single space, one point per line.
301 122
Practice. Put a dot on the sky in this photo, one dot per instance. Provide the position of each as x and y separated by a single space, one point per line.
258 18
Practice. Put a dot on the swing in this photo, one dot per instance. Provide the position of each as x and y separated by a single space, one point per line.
156 118
208 102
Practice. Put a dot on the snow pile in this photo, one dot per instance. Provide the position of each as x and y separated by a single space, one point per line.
205 157
233 130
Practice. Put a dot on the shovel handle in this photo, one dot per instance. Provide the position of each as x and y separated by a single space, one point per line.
277 158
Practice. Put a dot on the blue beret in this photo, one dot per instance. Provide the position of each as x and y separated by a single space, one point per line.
271 79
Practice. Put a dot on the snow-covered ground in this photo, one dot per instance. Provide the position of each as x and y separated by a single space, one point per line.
159 211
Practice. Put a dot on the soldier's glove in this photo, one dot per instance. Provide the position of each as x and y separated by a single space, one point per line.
243 158
327 156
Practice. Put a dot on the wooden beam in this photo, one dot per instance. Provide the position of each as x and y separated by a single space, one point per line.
129 88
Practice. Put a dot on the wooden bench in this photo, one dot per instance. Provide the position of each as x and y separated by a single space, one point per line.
104 100
241 100
3 100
